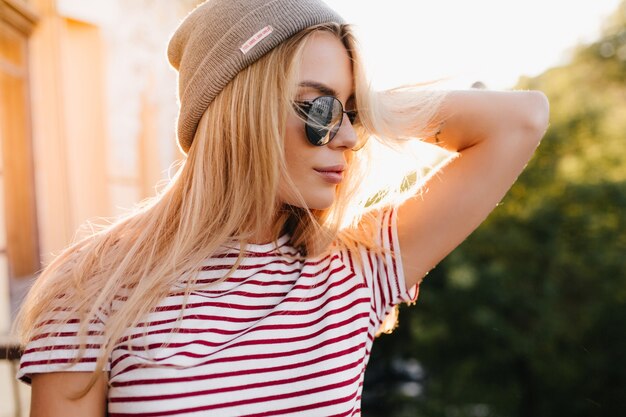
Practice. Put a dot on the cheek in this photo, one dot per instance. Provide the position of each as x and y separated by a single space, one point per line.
296 147
300 159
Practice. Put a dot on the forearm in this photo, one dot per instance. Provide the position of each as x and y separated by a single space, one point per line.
468 117
495 135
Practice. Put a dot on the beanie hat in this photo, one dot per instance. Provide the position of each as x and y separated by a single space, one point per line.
219 38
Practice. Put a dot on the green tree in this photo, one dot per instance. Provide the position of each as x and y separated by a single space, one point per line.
528 316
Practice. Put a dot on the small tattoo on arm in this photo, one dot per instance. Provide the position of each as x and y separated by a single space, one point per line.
437 140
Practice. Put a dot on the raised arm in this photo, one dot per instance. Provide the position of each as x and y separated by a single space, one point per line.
495 134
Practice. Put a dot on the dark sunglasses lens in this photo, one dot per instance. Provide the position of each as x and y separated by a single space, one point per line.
324 120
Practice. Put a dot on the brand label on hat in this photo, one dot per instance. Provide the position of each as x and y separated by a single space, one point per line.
256 38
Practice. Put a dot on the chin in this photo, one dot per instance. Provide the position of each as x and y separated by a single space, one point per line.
320 202
314 198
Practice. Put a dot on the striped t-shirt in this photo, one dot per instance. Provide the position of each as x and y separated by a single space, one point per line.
279 337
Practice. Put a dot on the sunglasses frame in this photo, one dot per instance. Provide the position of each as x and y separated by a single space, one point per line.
303 107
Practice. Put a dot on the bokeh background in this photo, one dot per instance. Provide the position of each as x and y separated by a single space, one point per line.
527 318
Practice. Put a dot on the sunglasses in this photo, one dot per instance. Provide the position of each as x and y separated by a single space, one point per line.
323 116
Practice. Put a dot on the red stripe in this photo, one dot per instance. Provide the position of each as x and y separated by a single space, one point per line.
266 272
272 355
263 384
273 313
201 317
70 321
287 326
371 278
347 413
65 334
304 407
260 328
246 307
59 347
252 253
384 280
235 254
260 283
175 307
254 282
263 284
393 251
381 292
247 280
221 318
276 261
218 294
273 341
226 267
25 364
262 400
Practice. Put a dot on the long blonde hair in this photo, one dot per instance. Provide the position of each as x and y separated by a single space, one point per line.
226 189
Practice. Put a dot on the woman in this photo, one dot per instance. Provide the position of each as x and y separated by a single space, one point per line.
254 284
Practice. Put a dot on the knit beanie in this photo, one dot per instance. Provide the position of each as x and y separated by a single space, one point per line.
219 38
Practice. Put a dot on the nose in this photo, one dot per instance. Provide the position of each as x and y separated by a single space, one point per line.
346 136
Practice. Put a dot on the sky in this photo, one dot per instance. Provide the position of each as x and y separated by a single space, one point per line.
493 41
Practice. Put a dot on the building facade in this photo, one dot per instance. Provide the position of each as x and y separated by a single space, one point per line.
87 126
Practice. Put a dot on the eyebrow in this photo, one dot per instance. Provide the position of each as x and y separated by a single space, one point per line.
322 88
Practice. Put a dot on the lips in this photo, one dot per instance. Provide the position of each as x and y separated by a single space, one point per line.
334 168
332 174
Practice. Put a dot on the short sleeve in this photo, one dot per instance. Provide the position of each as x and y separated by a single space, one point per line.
54 348
382 271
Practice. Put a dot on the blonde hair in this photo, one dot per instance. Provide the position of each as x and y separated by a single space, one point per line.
225 189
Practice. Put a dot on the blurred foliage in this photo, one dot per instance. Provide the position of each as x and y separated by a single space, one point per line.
527 317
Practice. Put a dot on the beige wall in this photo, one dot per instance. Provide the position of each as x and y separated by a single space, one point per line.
69 132
104 108
99 101
98 124
83 101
